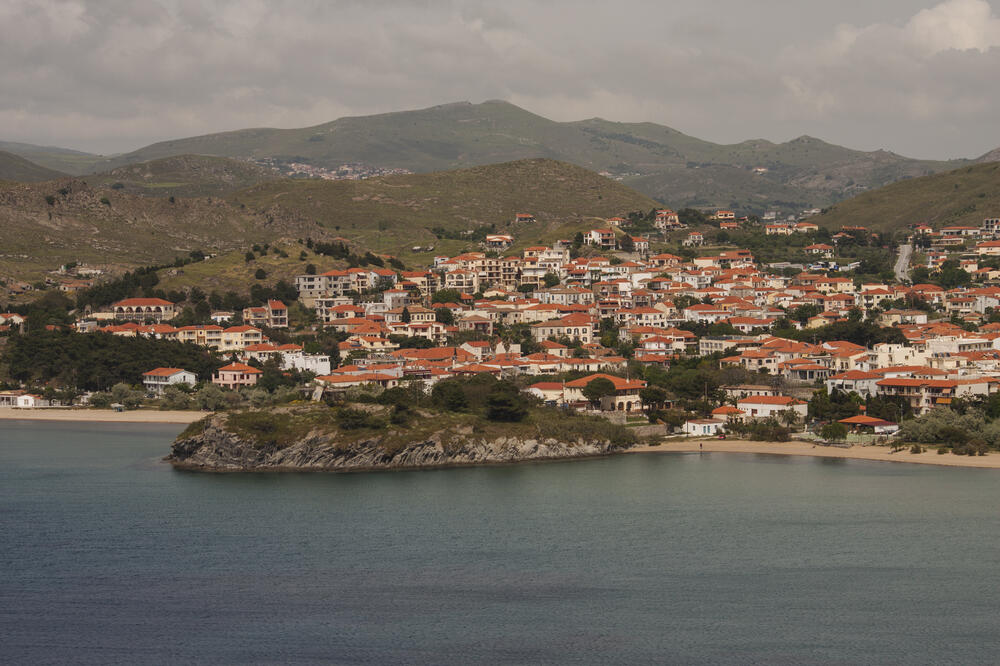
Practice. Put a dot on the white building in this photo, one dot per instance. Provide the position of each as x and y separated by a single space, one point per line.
764 406
158 379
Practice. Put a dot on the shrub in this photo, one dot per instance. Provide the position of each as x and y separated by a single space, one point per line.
349 418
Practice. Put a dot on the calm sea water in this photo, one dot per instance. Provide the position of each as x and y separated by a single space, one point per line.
110 556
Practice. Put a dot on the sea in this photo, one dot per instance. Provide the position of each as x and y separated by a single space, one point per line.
110 556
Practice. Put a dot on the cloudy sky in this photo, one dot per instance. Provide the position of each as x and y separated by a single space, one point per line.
919 77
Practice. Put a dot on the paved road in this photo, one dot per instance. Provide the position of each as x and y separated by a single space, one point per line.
902 267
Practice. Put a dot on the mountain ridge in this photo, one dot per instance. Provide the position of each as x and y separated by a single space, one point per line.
662 162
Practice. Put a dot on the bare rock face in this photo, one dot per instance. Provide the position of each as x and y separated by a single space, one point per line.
220 450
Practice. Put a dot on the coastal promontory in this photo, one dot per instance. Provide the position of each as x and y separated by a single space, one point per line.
360 437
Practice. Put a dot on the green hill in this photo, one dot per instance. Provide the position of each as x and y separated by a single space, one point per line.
675 168
73 162
16 168
43 225
185 176
395 213
963 196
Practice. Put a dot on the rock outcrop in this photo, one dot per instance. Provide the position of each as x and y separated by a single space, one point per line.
219 449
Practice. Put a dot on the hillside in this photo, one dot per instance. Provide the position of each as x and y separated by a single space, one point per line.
46 224
73 162
659 161
960 197
395 213
16 168
185 176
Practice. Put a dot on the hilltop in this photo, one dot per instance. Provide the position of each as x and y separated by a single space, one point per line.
185 176
661 162
16 168
43 225
963 196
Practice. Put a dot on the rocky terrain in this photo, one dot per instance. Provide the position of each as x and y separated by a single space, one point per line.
214 446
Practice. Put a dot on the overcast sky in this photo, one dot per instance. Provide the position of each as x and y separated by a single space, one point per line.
918 77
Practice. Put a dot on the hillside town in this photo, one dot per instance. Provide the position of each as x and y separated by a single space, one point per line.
603 323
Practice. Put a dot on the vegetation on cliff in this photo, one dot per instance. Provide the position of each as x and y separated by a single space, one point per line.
462 421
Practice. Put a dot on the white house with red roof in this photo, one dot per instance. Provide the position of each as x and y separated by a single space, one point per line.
158 379
602 238
625 398
764 406
143 309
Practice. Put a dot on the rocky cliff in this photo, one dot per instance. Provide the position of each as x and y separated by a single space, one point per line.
214 446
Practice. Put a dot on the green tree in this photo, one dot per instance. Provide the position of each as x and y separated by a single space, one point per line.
444 316
597 389
405 317
833 431
652 396
550 280
505 403
260 274
448 394
446 296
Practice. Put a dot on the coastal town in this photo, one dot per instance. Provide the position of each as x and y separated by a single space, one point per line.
705 343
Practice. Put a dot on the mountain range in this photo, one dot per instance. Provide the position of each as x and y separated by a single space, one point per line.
674 168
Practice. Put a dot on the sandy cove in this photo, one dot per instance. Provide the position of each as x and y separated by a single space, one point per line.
878 453
100 415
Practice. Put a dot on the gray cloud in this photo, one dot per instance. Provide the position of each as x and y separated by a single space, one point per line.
108 75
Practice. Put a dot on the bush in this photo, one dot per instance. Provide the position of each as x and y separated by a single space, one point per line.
349 418
916 449
101 399
211 398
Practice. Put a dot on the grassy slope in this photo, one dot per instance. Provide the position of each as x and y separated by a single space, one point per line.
962 196
16 168
185 176
68 161
395 213
802 172
128 230
229 271
387 215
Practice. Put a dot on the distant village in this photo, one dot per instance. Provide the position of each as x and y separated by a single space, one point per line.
559 320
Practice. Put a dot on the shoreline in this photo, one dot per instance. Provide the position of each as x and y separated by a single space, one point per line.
798 448
99 415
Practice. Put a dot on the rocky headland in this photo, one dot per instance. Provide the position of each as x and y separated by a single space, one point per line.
264 441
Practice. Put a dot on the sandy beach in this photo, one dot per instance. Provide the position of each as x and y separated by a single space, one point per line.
878 453
99 415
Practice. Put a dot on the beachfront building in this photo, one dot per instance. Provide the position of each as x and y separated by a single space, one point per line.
236 375
764 406
158 379
704 427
